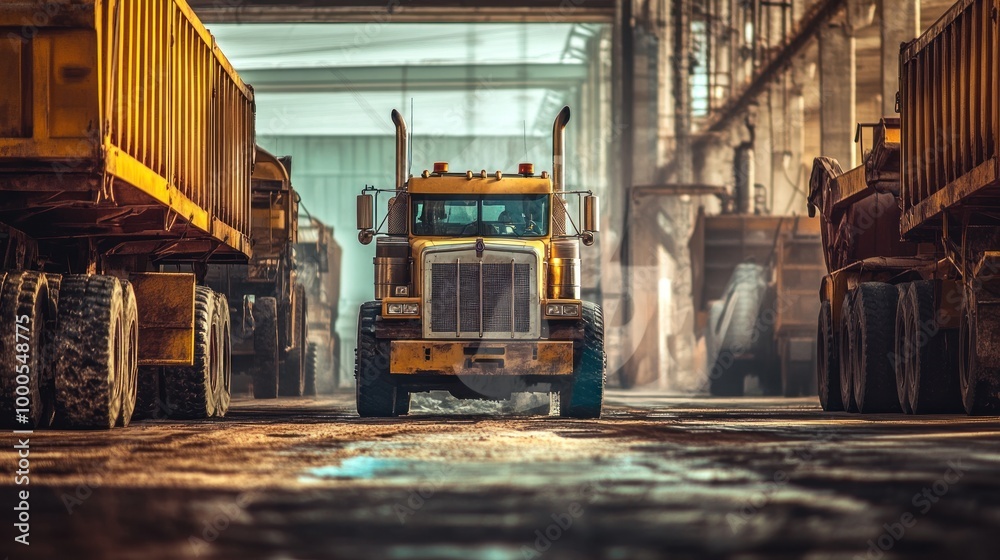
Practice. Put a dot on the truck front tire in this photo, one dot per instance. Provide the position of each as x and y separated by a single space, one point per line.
585 396
376 394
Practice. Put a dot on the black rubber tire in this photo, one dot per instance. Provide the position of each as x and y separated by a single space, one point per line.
726 378
265 345
979 384
89 342
311 365
149 400
827 361
402 406
905 346
49 356
224 371
847 355
584 397
292 380
189 390
875 376
25 311
931 378
375 391
130 365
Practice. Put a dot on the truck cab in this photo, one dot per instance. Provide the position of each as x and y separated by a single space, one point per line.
477 289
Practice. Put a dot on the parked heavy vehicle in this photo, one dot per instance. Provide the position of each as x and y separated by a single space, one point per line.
477 289
909 316
269 324
754 285
119 183
318 256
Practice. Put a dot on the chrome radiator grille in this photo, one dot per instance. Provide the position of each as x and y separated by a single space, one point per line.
472 298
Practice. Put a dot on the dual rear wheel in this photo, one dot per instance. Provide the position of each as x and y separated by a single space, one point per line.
893 354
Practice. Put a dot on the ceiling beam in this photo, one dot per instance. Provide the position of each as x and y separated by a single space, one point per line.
416 78
405 11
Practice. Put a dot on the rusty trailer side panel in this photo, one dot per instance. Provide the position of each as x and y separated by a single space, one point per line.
950 116
130 112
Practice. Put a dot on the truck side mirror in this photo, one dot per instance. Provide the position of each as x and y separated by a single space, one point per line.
366 218
591 214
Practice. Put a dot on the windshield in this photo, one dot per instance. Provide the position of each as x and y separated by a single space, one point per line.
486 216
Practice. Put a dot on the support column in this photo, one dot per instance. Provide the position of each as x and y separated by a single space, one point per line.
900 23
838 92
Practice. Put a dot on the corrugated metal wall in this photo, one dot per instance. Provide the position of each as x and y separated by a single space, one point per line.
329 173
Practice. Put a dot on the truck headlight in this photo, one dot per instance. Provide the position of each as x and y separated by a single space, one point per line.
403 309
563 309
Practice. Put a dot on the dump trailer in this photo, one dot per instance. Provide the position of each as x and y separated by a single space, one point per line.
754 286
126 150
477 288
269 323
318 256
909 319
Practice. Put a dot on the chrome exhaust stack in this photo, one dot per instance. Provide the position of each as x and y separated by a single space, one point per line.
559 170
402 150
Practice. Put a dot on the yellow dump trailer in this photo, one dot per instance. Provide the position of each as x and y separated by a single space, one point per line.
126 154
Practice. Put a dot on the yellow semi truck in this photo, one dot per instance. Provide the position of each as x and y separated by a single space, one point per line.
477 288
126 155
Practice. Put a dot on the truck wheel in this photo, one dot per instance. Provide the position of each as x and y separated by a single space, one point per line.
402 407
847 354
727 376
25 312
224 369
905 346
585 396
292 382
49 355
931 381
376 394
979 382
189 390
311 357
90 343
148 397
827 361
130 364
875 327
265 346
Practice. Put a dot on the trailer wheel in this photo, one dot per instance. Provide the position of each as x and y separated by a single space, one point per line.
979 382
90 343
402 406
24 311
149 400
292 381
49 355
224 367
931 382
376 394
265 345
189 390
584 397
130 364
846 353
874 376
311 365
827 361
905 346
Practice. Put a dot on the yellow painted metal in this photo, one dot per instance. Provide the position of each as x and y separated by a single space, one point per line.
450 184
415 357
136 90
166 318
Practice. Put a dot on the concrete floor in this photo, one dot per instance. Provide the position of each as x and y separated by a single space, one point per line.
657 477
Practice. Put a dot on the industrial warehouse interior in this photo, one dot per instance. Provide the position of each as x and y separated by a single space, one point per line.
490 280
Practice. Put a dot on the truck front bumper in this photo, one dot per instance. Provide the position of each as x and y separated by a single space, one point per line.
540 357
